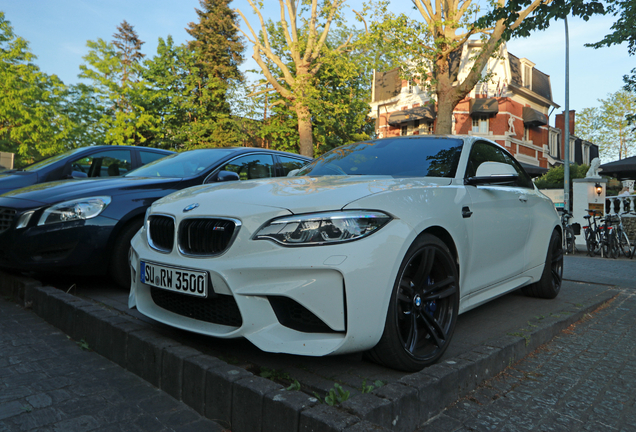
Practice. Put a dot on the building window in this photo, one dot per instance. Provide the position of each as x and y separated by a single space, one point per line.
416 124
527 76
405 130
480 125
554 143
586 154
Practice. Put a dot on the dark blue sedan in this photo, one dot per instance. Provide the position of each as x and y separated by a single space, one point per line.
93 161
85 226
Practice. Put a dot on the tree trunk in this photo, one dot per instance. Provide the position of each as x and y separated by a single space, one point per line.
447 99
305 131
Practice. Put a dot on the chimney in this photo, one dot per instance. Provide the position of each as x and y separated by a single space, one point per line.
559 121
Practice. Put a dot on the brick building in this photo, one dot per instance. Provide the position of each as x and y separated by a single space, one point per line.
512 107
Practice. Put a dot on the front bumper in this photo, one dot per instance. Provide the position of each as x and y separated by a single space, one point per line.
310 300
78 247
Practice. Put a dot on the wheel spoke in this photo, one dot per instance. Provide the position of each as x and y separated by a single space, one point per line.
413 336
424 268
433 292
434 329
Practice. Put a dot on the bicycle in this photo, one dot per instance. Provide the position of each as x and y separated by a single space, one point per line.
607 240
569 246
592 232
623 243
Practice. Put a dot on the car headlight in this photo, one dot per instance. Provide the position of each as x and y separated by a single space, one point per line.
322 228
79 209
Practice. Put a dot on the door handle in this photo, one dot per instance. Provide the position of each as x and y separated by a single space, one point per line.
523 198
466 213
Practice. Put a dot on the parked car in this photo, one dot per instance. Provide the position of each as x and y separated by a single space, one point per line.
93 161
374 246
85 226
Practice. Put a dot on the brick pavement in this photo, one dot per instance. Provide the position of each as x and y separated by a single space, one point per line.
583 380
66 388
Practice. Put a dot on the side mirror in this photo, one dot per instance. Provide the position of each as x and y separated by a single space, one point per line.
293 172
78 175
493 173
224 176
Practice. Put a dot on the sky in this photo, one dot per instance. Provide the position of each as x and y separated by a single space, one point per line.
57 31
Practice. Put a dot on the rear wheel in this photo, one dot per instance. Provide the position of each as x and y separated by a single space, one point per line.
552 277
423 308
624 244
119 267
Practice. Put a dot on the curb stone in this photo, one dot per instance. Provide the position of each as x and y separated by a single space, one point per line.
235 397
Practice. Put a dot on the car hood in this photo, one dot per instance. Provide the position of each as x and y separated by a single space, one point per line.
53 192
16 179
296 194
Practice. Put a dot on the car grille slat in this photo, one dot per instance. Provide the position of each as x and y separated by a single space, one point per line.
161 232
206 236
221 309
7 215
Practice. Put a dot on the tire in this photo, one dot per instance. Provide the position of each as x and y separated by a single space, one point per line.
625 245
549 285
591 243
423 308
569 240
119 267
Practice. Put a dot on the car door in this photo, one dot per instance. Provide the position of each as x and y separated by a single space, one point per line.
500 221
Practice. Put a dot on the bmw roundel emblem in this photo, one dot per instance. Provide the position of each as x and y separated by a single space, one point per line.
191 207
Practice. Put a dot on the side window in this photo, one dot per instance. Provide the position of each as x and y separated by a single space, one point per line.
252 166
147 156
486 152
109 163
290 164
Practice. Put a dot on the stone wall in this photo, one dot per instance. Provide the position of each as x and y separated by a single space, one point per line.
629 224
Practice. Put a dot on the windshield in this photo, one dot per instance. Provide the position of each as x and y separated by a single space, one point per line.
186 164
396 157
51 160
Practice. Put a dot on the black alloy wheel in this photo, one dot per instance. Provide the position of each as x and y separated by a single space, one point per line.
423 310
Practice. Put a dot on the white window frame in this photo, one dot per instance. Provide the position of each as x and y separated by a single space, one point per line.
480 126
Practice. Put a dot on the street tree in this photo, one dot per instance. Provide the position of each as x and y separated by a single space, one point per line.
428 48
187 104
115 70
216 40
608 126
291 69
33 122
624 30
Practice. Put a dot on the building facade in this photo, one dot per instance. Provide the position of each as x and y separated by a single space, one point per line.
511 107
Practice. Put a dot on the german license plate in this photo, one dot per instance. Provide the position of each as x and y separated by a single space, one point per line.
186 281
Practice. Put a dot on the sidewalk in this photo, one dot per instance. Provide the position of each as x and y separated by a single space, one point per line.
51 383
584 380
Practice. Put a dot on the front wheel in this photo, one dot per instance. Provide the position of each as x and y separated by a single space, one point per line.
549 285
624 244
569 240
423 308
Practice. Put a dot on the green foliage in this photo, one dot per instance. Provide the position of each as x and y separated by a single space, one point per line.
189 107
608 125
219 48
336 395
294 386
370 387
553 179
34 117
115 70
